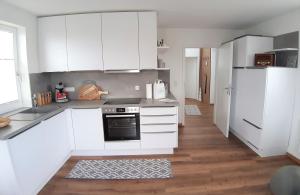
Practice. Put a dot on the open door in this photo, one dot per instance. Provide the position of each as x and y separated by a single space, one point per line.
223 87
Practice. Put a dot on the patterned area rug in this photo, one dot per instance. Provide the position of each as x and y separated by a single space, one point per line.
121 169
192 110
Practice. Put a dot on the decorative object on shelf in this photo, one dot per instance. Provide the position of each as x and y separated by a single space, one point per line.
4 121
264 59
160 63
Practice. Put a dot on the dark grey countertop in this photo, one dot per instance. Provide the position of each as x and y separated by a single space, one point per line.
18 126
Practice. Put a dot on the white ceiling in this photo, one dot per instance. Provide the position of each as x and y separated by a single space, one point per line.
231 14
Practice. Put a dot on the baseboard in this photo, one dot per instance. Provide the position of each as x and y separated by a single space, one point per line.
293 158
121 152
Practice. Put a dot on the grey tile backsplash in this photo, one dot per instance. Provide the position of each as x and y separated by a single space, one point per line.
118 85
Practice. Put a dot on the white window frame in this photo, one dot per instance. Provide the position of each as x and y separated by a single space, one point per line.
13 105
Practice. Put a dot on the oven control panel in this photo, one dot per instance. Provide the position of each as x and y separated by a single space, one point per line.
121 110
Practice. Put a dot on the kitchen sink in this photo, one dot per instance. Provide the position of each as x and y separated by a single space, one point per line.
31 114
39 110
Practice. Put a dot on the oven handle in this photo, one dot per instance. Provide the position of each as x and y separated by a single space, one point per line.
120 116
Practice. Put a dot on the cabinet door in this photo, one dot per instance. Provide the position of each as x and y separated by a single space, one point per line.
120 41
39 152
88 129
147 40
84 42
253 95
239 52
52 44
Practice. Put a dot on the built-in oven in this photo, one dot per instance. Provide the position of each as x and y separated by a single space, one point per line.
121 123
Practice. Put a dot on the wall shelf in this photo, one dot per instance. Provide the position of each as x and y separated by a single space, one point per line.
283 49
162 49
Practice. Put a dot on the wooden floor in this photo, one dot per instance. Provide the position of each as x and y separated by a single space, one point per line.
205 163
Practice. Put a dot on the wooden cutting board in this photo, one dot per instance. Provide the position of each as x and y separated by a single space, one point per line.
90 92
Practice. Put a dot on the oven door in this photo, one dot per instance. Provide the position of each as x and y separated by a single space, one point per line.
121 126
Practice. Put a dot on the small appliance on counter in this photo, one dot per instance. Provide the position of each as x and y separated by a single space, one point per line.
60 94
159 89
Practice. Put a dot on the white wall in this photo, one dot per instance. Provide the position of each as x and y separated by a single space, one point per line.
213 64
276 26
191 77
178 39
19 17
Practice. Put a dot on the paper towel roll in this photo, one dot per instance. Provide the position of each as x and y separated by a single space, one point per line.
149 91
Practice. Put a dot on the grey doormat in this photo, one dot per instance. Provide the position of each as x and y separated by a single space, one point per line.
192 110
121 169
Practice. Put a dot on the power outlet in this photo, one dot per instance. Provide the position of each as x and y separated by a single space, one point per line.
137 87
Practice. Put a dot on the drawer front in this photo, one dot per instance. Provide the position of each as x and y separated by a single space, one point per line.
122 145
167 119
159 140
158 111
159 128
252 134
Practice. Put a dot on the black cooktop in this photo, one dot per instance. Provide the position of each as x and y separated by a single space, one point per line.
120 101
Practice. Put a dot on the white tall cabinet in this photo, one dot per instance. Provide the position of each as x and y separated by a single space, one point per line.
244 49
52 39
120 41
262 108
147 40
84 42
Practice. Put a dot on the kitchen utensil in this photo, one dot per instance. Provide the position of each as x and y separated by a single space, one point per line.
90 92
4 121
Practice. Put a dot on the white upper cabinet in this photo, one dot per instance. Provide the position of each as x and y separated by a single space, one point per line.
84 42
120 41
52 44
147 40
244 49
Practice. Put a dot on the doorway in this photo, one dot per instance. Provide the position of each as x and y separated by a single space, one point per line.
199 83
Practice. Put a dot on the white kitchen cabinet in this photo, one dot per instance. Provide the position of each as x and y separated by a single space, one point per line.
88 129
84 42
120 41
52 39
262 108
39 152
147 40
244 49
159 127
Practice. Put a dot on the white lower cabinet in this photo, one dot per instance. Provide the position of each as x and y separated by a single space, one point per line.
39 152
88 129
262 108
159 127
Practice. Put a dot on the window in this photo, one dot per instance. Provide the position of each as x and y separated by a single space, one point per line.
9 85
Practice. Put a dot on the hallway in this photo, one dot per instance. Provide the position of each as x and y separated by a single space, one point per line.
204 163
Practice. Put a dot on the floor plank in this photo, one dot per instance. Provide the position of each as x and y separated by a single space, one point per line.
205 163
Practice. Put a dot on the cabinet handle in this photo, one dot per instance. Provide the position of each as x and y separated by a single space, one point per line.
159 115
257 127
159 124
159 132
253 145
